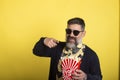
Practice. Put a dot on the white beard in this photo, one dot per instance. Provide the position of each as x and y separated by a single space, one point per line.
70 45
73 45
79 41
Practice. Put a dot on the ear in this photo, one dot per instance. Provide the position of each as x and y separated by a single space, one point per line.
83 34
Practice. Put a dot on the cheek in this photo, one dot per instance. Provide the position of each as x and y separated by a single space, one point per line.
66 35
79 36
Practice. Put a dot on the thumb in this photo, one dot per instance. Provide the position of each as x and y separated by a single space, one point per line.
56 41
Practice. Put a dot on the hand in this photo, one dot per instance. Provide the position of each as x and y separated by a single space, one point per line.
50 42
79 75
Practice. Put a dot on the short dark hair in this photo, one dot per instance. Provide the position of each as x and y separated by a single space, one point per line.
78 21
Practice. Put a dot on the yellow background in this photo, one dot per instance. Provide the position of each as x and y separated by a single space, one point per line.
23 22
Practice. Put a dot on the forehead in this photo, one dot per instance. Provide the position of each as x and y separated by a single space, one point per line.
75 27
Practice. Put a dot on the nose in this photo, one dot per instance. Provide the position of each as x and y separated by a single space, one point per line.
71 34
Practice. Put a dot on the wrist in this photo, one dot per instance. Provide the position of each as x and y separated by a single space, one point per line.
85 78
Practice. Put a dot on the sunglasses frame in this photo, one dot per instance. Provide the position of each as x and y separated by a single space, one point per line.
75 32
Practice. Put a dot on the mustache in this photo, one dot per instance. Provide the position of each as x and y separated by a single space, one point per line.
69 37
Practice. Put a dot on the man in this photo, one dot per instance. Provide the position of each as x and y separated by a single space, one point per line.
70 60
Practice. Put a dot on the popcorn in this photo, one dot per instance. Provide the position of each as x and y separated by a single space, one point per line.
68 67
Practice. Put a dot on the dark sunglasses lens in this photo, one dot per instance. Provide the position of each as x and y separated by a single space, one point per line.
75 32
68 31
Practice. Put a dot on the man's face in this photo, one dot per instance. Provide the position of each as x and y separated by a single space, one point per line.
74 35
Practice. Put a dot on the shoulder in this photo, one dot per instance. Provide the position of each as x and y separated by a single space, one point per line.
89 52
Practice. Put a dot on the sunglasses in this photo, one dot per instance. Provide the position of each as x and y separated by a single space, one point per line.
75 32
